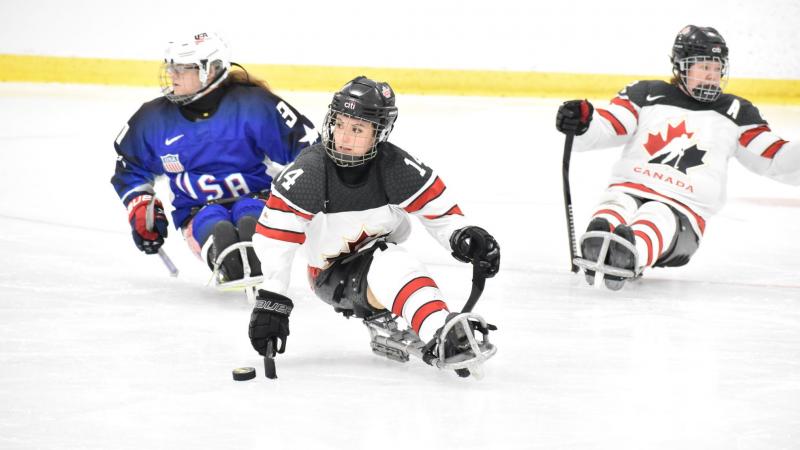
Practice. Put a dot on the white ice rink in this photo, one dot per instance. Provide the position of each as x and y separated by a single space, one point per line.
101 349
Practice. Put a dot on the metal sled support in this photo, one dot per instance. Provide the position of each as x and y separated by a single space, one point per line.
389 341
482 349
247 283
600 266
399 345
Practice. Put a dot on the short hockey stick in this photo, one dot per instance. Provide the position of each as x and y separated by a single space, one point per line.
478 283
269 361
573 248
149 219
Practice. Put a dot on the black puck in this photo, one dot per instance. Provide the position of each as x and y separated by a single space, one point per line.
244 373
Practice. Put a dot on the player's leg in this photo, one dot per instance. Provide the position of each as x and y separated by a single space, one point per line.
402 284
213 230
684 245
614 209
654 228
245 213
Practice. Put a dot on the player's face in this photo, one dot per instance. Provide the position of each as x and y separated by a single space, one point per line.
704 73
353 136
185 78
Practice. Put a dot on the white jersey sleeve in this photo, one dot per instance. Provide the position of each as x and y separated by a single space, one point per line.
612 125
279 233
765 153
433 206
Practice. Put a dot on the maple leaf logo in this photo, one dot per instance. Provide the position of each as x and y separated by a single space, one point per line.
352 246
679 157
655 143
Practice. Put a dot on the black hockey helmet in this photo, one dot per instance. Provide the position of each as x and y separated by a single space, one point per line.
363 99
695 44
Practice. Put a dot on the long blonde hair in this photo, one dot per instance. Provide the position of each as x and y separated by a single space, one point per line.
241 76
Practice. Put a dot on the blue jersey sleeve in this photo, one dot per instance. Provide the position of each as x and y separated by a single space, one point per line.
135 171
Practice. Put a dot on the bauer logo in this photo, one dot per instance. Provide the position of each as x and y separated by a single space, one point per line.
172 163
200 37
350 105
275 307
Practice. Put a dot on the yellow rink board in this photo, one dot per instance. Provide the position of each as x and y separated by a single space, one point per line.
50 69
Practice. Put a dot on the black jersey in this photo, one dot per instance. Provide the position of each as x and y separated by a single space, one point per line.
311 205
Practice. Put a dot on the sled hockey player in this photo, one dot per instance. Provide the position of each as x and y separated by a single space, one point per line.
671 177
349 200
217 134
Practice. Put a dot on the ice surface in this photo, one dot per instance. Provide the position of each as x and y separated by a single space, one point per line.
100 348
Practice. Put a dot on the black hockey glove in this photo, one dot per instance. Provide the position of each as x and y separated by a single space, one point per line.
574 117
147 239
475 245
270 321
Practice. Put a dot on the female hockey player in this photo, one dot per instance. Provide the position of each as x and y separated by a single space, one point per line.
349 200
215 133
678 138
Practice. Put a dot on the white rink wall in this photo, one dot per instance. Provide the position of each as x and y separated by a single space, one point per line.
582 36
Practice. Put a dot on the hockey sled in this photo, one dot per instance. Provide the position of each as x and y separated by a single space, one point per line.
388 340
600 268
247 283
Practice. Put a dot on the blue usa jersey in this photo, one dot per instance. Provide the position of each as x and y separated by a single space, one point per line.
224 156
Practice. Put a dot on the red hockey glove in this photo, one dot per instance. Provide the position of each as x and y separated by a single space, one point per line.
147 240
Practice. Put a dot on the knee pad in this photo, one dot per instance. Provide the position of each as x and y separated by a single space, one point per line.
204 221
344 285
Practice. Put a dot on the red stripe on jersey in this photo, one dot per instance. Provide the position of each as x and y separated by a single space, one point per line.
646 239
455 210
618 127
425 311
313 273
747 137
701 223
610 212
773 149
625 104
274 202
410 287
655 229
433 191
281 235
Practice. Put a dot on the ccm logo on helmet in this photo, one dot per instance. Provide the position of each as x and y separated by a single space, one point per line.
350 105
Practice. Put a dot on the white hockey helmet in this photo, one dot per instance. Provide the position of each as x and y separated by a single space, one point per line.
207 53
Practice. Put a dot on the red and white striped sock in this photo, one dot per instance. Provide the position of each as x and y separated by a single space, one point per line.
402 285
654 226
615 207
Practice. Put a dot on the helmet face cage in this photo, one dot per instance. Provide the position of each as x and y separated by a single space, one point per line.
703 90
364 100
700 45
380 133
207 53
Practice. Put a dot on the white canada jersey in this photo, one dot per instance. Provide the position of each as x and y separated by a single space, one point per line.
677 149
311 206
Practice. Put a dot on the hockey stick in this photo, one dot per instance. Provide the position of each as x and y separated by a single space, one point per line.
573 248
269 361
149 220
478 283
